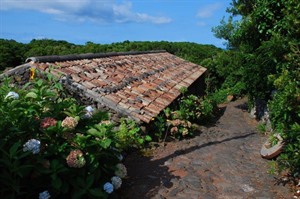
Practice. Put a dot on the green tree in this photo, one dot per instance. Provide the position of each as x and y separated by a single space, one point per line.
11 53
267 37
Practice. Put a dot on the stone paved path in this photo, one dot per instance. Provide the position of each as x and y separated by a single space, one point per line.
222 162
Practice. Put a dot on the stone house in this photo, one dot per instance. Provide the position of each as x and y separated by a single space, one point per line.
134 84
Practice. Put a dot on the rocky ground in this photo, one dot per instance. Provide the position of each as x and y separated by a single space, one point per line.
222 161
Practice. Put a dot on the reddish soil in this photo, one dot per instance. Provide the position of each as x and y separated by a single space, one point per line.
222 161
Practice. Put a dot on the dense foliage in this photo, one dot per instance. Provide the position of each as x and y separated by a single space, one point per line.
14 53
264 46
179 120
50 146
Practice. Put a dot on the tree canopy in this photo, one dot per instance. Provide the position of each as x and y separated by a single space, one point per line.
14 53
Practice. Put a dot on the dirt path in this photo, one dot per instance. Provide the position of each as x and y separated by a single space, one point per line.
223 161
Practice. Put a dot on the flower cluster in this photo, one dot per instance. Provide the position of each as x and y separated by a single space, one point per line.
121 170
12 95
179 126
178 122
108 187
32 145
116 182
44 195
89 110
69 123
75 159
174 130
47 122
106 122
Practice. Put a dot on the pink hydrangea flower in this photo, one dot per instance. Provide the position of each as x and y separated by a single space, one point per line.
75 159
174 130
47 122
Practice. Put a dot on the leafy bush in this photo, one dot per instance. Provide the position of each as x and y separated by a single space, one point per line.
290 159
177 122
220 95
53 147
285 117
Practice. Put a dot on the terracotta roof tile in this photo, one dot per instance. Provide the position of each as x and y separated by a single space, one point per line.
83 77
99 83
75 78
76 69
123 105
138 84
88 85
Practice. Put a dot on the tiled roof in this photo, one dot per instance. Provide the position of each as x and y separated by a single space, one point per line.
139 84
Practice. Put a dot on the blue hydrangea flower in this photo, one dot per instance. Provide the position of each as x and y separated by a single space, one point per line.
32 145
108 187
44 195
13 95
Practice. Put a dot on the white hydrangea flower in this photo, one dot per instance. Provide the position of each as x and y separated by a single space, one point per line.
89 112
13 95
121 170
116 182
89 109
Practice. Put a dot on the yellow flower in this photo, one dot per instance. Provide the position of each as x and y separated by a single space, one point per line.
32 72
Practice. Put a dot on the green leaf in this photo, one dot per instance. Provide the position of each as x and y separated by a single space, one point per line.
89 181
78 193
105 143
39 82
148 138
56 182
13 150
31 95
95 132
140 140
80 182
97 192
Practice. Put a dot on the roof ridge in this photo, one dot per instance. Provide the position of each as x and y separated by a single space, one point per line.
55 58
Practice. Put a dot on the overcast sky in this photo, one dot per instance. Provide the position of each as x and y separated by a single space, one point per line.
108 21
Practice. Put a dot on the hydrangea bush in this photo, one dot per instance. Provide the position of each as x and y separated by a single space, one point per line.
177 122
52 147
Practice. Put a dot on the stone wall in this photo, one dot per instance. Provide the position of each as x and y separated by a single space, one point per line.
88 97
19 75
